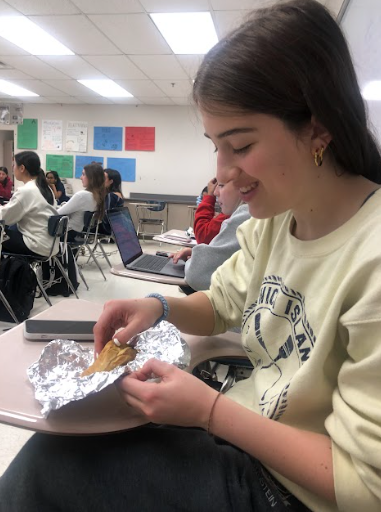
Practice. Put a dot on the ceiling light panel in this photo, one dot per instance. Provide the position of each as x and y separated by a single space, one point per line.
106 88
14 90
30 37
187 32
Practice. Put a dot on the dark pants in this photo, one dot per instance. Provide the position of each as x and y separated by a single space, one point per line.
15 243
141 470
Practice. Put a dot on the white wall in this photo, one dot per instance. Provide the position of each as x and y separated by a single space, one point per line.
182 163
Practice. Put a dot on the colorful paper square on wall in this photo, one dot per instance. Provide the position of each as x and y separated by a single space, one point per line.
126 167
139 138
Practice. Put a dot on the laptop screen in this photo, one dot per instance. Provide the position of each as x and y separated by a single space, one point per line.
125 234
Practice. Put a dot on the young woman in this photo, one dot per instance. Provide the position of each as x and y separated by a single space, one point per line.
203 259
57 187
207 224
5 184
280 101
27 214
114 197
90 199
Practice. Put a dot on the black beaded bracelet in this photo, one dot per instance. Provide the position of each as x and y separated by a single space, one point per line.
165 304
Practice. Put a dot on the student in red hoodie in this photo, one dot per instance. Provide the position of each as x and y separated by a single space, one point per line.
5 184
207 224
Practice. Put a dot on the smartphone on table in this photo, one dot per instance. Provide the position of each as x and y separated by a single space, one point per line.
47 330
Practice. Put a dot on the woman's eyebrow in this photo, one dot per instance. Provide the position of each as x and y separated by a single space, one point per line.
233 131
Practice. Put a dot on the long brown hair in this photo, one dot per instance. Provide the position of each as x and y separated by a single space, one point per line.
96 178
291 61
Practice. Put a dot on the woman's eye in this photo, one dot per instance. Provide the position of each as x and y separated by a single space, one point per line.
241 150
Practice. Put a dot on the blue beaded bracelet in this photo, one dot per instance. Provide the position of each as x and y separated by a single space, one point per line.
165 304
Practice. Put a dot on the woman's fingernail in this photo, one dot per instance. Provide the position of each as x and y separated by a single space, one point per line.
96 355
117 342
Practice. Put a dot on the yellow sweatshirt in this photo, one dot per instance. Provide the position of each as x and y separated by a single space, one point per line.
310 313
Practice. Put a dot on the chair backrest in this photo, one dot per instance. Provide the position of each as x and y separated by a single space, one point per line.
90 222
159 206
58 226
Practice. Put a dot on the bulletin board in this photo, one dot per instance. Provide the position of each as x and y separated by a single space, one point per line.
126 167
81 161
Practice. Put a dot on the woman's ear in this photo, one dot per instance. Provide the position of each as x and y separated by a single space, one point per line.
320 136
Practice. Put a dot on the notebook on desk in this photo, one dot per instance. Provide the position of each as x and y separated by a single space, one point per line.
131 252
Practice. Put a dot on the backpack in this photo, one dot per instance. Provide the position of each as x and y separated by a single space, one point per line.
60 286
18 283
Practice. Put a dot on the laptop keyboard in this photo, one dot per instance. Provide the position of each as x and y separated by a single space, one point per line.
150 262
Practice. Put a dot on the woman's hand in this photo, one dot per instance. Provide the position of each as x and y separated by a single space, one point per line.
212 186
134 315
178 399
183 254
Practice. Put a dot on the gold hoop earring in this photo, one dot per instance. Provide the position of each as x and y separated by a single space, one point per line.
319 157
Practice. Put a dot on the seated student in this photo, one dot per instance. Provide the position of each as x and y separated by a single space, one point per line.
5 185
28 211
206 223
89 200
57 186
114 197
280 100
203 259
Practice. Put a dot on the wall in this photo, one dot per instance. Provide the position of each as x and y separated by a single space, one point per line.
182 163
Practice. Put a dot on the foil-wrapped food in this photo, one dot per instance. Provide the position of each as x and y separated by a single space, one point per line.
57 375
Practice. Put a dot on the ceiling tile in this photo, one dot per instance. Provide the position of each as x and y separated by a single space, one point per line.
12 74
7 48
71 87
39 99
109 7
40 88
116 66
65 99
95 100
175 5
31 7
73 66
6 10
226 21
34 67
77 33
231 5
159 66
182 101
190 63
126 101
133 33
172 89
155 101
141 88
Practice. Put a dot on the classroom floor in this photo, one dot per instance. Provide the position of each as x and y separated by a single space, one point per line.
11 438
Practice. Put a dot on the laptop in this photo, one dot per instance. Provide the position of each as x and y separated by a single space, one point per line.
131 252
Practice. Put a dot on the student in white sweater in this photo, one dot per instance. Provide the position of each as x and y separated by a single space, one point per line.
280 101
90 199
27 214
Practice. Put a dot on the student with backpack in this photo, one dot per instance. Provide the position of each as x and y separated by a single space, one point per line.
27 214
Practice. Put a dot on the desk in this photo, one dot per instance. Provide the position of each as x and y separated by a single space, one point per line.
170 238
103 412
121 270
148 206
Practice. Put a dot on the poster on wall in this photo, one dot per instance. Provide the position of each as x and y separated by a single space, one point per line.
108 138
140 138
63 164
76 136
81 161
126 167
27 134
51 135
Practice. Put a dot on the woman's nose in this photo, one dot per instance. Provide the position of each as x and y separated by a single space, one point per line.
227 173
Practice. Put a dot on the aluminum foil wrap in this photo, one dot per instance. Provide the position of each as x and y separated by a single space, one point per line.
56 375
